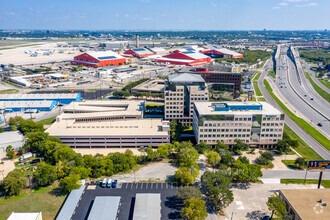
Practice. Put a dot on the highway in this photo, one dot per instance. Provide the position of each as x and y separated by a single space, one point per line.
296 128
300 94
312 74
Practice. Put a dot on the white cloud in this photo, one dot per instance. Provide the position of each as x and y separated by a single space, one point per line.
147 19
312 4
11 13
213 5
283 4
276 7
144 1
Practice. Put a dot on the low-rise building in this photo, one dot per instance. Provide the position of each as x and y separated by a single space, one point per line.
25 216
188 58
103 124
17 106
255 123
181 91
154 86
62 98
13 138
140 52
99 59
307 203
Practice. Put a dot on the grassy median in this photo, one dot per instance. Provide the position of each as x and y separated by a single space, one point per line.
325 82
318 89
255 83
301 122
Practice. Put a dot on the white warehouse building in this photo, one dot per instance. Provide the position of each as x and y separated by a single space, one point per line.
255 123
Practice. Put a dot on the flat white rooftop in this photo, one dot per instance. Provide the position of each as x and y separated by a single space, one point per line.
39 96
25 104
25 216
131 127
207 108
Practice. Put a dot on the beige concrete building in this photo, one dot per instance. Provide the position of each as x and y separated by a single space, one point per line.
105 124
307 204
181 91
154 86
255 123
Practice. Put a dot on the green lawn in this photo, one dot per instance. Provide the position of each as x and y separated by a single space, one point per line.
272 74
47 200
291 164
301 122
318 89
255 83
324 183
325 82
261 99
9 91
47 121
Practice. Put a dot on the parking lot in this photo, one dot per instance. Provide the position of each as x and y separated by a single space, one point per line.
170 206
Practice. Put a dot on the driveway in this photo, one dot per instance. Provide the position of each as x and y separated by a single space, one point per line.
7 166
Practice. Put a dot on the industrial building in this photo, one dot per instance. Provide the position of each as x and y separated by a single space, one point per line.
40 80
219 52
105 208
108 124
181 91
21 106
255 123
140 52
99 59
147 206
222 81
25 80
154 86
70 204
13 138
188 58
306 203
61 98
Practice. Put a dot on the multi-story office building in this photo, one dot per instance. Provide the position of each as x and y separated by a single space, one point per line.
181 91
255 123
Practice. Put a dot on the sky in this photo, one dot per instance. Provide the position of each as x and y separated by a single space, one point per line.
165 14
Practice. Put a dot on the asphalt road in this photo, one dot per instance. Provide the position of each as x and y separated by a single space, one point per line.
293 174
301 96
296 128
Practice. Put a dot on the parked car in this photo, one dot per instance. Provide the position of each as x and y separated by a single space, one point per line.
319 124
114 184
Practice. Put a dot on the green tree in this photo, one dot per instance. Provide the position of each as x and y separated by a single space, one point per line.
268 155
1 130
14 182
9 147
282 146
151 154
221 148
217 189
262 161
163 150
244 159
240 146
187 157
14 128
121 94
301 162
242 172
10 154
202 147
188 192
64 153
213 158
45 174
70 182
186 175
227 158
277 207
194 209
81 171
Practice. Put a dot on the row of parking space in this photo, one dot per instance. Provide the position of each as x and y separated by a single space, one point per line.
149 186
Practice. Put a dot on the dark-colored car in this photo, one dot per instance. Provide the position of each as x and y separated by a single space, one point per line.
114 184
266 217
319 124
312 99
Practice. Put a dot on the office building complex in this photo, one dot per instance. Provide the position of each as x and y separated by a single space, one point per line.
181 91
255 123
222 81
108 124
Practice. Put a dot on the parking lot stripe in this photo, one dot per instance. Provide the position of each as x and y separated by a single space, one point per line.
161 185
141 185
131 185
126 185
156 185
151 185
136 185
